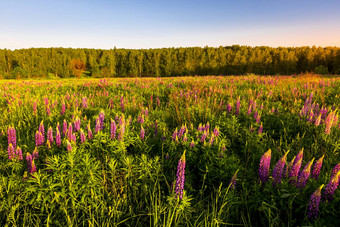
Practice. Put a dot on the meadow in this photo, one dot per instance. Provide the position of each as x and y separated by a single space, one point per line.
184 151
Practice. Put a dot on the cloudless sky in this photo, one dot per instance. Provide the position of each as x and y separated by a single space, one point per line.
146 24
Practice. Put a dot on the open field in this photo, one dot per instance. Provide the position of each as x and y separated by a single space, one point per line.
185 151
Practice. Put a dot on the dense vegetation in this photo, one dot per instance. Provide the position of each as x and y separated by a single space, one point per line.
189 151
231 60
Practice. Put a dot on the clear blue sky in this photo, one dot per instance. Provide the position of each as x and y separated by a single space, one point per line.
156 23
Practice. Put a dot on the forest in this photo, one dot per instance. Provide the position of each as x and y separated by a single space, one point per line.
230 60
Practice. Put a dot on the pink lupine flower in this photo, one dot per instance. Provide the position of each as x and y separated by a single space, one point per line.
10 150
19 153
264 166
69 146
35 153
260 130
50 135
82 136
142 132
64 128
69 132
58 137
89 131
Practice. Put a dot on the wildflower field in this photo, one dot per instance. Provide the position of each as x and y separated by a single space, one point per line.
186 151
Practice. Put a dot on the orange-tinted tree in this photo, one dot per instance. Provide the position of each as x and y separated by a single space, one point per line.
78 67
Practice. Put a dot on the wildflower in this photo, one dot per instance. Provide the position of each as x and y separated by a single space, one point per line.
264 166
64 127
216 131
77 124
35 153
42 131
174 135
278 169
233 180
289 167
142 132
313 204
318 120
121 132
329 122
19 153
82 136
63 108
204 136
211 141
200 128
192 144
185 138
304 175
12 138
10 151
101 119
238 104
335 170
260 130
317 168
89 131
332 186
70 131
97 128
58 137
50 135
84 102
69 146
113 129
180 177
228 107
294 171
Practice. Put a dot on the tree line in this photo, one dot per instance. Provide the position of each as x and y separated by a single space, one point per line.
229 60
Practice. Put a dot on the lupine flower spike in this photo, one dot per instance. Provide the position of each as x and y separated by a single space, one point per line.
332 186
304 175
180 177
264 166
233 180
278 169
317 168
313 204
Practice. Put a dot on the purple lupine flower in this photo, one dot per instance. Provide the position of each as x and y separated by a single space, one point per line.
74 138
233 180
89 131
35 153
304 175
174 135
204 136
113 129
249 110
69 146
181 131
58 137
101 119
19 153
29 159
216 131
10 150
12 138
97 128
331 187
64 128
278 169
258 119
180 177
313 204
260 130
264 166
50 135
192 144
142 132
207 127
238 104
82 136
335 170
317 168
289 167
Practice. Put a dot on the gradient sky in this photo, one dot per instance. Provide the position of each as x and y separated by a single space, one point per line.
145 24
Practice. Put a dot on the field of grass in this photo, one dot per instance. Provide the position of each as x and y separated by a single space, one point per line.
185 151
